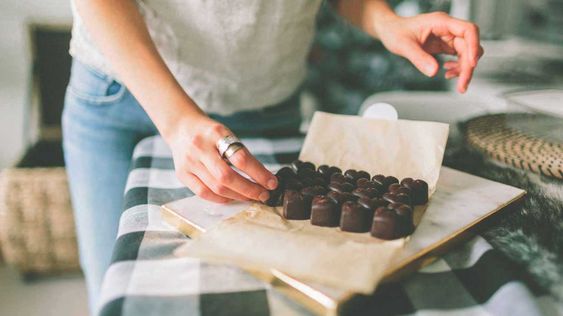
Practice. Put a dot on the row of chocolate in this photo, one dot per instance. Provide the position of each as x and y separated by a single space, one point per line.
353 200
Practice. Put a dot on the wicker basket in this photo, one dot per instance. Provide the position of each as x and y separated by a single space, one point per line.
37 231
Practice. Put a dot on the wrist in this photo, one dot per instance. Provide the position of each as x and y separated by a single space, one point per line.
382 18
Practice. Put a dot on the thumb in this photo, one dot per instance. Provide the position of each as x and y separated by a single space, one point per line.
423 61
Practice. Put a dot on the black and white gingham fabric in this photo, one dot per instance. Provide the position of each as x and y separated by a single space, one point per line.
147 278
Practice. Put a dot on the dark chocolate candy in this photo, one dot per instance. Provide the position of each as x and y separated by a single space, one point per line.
421 188
296 164
285 173
314 191
372 203
326 172
368 193
293 184
307 165
304 173
379 179
355 218
397 198
393 188
324 212
276 197
389 181
341 187
338 177
295 206
353 175
340 198
384 225
405 219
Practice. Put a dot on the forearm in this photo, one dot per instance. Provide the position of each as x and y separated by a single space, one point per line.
119 31
368 15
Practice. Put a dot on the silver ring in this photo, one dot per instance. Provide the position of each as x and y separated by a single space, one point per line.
224 143
232 150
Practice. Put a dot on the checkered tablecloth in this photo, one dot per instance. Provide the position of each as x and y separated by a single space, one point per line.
147 278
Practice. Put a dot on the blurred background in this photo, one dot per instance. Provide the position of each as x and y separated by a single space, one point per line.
523 41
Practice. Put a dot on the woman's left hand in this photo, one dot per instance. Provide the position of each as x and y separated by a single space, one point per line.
419 37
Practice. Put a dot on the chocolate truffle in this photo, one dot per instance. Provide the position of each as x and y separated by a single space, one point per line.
285 173
338 177
389 181
384 225
394 187
355 218
276 197
295 206
307 165
310 192
379 179
421 192
397 198
341 187
372 203
340 198
296 164
326 172
304 173
293 184
353 175
404 219
324 212
368 193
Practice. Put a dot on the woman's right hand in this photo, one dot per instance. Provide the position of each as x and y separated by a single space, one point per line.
200 167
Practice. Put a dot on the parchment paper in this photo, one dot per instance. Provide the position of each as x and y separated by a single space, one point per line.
261 239
399 148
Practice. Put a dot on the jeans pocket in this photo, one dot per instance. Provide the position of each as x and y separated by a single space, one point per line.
93 87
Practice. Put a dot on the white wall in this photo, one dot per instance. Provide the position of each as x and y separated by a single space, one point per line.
15 65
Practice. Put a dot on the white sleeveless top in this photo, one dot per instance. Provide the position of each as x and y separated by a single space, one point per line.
228 55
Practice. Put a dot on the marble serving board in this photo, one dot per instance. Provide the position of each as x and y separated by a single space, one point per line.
461 204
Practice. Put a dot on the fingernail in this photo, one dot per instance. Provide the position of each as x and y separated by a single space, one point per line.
272 184
264 196
429 70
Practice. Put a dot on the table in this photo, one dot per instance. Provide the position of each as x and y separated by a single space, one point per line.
146 277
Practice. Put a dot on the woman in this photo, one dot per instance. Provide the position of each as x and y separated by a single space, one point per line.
198 71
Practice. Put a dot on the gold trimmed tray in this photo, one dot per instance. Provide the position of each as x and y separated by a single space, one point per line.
461 205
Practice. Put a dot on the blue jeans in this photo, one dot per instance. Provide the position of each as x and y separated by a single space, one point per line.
102 123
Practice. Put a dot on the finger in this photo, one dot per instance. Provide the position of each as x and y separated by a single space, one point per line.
226 176
451 65
247 163
215 186
466 30
451 74
200 189
466 72
420 58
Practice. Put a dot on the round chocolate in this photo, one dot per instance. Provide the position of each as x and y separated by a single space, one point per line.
379 179
324 212
363 183
293 184
397 198
394 187
351 175
276 197
368 193
308 165
304 173
384 225
421 192
338 177
389 181
372 203
285 173
295 206
363 175
355 218
341 187
340 198
296 164
326 172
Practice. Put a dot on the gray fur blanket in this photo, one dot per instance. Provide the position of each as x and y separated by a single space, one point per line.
531 236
